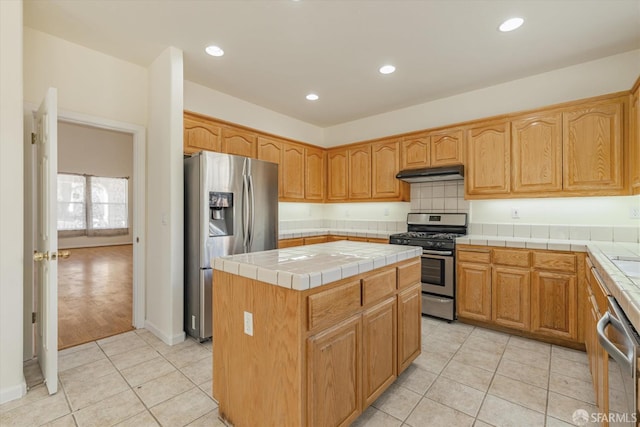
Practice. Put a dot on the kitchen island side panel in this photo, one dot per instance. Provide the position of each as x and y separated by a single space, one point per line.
259 377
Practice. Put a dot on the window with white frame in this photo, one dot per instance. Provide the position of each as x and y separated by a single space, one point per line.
92 206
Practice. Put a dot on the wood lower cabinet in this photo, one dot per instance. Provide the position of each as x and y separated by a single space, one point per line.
474 291
334 375
510 302
634 139
554 304
379 342
290 243
536 146
489 159
409 325
531 291
200 134
326 353
593 147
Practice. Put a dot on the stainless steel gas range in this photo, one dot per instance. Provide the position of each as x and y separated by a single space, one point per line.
436 233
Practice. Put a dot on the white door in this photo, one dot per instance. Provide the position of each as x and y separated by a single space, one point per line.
46 251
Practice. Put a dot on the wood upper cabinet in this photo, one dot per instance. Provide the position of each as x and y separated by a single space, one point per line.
239 142
314 174
510 303
474 291
536 146
335 375
416 152
593 147
200 134
447 147
379 341
634 139
270 149
488 159
385 164
360 172
293 162
409 326
337 175
554 304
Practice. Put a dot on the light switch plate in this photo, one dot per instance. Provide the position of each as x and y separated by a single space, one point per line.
248 323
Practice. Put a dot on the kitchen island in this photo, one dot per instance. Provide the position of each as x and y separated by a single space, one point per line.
312 335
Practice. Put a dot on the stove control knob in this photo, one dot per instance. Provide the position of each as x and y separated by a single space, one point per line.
439 244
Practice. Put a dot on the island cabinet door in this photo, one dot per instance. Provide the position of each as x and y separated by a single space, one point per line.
409 326
334 375
379 351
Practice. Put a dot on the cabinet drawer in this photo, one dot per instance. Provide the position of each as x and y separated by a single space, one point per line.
409 273
474 256
378 286
511 257
330 306
554 261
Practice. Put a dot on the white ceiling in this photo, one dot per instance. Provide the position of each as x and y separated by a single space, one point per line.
277 51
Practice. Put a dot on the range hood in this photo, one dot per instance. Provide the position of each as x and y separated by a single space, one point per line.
442 173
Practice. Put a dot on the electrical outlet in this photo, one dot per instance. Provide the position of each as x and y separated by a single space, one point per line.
634 212
515 213
248 323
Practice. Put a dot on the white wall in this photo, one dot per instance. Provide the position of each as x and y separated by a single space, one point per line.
99 152
565 210
216 104
606 75
379 211
12 383
291 211
88 81
165 222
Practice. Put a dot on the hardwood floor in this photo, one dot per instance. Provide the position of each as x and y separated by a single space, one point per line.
95 294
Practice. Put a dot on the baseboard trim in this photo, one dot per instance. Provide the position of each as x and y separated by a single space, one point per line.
17 391
170 340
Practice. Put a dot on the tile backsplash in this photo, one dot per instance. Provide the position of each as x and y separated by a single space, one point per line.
338 224
602 233
439 196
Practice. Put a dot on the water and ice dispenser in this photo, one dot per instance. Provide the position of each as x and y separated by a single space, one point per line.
220 214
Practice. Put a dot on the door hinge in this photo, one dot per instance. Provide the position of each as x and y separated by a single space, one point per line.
33 138
33 317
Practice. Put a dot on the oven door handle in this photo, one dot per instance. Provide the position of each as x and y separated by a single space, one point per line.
624 360
441 253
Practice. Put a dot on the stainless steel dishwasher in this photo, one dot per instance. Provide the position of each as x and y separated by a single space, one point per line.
621 341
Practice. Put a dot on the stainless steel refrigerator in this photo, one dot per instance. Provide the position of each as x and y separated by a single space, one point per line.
231 207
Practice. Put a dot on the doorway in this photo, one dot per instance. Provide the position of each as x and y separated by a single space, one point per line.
138 134
95 207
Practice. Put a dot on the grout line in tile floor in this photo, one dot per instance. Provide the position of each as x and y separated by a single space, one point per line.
134 379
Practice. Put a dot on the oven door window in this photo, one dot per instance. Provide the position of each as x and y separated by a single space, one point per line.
433 271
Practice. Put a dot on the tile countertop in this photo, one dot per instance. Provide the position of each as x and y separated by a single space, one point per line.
306 267
625 289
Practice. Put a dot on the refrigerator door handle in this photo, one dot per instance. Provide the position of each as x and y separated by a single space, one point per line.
245 212
252 212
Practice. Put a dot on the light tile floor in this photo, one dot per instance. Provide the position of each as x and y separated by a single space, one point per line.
465 376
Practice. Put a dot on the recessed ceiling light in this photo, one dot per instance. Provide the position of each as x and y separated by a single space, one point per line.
214 50
312 97
511 24
387 69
